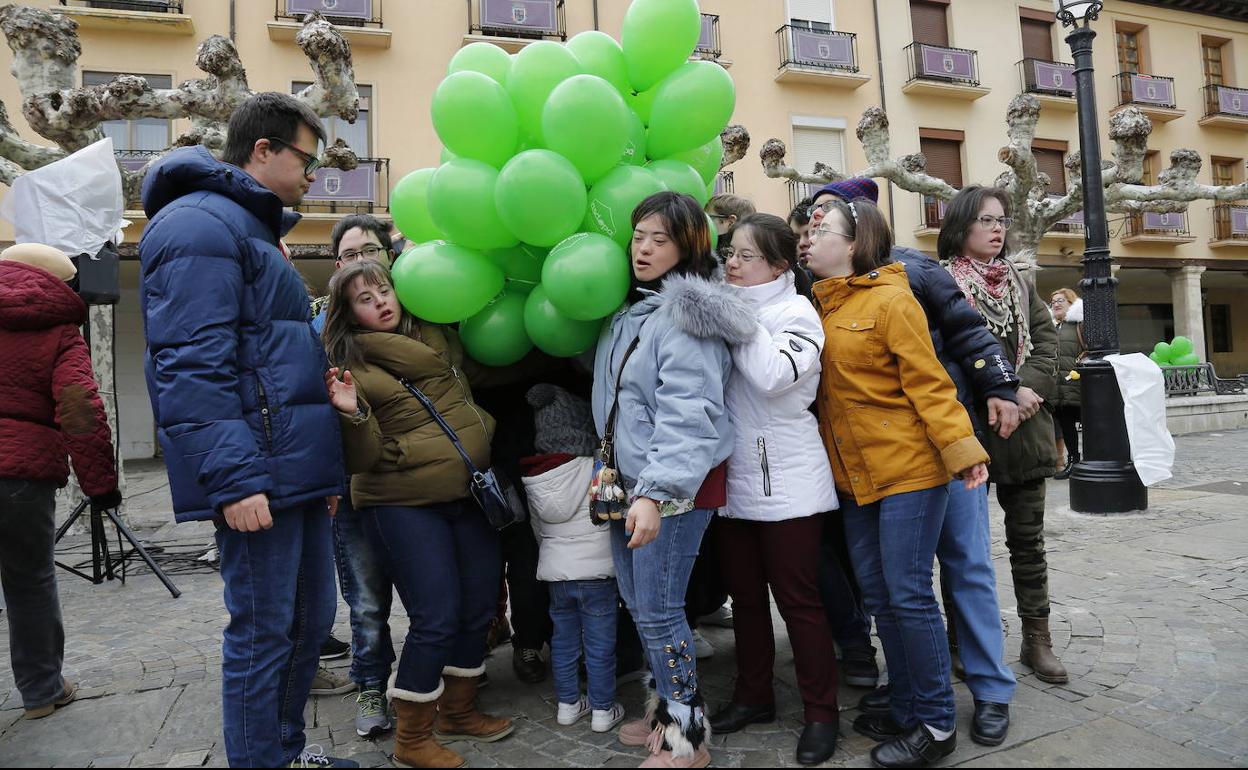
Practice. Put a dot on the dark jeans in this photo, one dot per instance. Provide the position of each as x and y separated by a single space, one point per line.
1024 537
27 571
584 615
530 600
842 598
782 555
279 591
707 591
1068 417
368 593
443 560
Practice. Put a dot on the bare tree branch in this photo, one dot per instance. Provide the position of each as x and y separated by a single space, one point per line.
736 141
26 155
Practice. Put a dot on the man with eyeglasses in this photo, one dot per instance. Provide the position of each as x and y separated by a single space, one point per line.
237 383
355 237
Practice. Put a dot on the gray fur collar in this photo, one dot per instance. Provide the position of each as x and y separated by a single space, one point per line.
706 308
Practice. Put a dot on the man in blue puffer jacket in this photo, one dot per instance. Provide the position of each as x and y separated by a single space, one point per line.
237 383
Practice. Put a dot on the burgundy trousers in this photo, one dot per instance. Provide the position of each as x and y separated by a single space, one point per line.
784 556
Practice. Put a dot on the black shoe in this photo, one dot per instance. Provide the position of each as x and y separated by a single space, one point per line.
528 665
916 748
1064 473
859 669
333 649
877 702
878 727
991 723
818 743
735 716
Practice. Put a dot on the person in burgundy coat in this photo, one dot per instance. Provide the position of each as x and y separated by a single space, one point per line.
49 408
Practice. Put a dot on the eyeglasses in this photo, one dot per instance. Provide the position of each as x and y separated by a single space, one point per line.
310 162
825 207
827 230
368 252
745 257
989 223
720 216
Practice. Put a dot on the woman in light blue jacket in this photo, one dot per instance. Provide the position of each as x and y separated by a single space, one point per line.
668 350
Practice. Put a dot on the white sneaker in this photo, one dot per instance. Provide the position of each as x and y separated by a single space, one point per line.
702 649
721 617
606 719
571 713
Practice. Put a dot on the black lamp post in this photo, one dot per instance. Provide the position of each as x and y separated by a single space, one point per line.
1105 480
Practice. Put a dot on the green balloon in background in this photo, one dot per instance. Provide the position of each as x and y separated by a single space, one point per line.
474 118
710 225
586 276
409 205
446 155
680 177
521 264
635 149
642 103
710 191
443 283
599 54
1187 359
496 336
692 106
540 197
1158 359
461 203
1181 346
706 159
486 58
586 121
555 333
535 72
613 198
657 37
1163 351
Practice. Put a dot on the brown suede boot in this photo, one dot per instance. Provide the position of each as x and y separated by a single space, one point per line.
458 717
1037 652
414 745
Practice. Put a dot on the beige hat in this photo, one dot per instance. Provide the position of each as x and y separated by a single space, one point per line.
44 257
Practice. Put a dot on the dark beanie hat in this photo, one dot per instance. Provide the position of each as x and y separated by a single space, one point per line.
564 422
852 189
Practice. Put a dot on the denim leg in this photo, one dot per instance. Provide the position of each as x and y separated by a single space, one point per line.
478 558
565 641
598 604
842 598
966 568
368 592
28 574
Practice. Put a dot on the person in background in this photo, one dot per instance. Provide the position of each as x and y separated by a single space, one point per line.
799 223
354 237
779 486
725 210
1067 311
51 408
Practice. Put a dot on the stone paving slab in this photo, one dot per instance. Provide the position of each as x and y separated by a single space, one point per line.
1106 742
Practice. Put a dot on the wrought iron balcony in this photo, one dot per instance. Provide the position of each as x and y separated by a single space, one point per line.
1146 91
362 190
135 160
1048 78
821 49
933 212
148 6
958 66
708 42
724 183
523 19
1226 102
800 191
1150 225
1071 224
344 13
1230 223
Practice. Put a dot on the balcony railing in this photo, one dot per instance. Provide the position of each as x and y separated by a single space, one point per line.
724 183
799 191
1230 223
526 19
821 49
150 6
1169 225
1146 90
344 13
362 190
1224 100
1071 224
951 65
708 41
135 160
934 212
1047 77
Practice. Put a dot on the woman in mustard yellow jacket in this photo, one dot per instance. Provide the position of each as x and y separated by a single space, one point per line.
895 434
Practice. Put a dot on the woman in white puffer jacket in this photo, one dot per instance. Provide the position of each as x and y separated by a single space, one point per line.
779 485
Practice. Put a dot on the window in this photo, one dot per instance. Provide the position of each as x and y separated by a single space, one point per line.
1037 39
357 135
1051 159
813 145
1150 168
1211 50
929 22
1128 50
1220 329
141 134
943 153
1224 171
811 14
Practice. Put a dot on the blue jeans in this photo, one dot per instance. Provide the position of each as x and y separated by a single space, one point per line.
653 580
444 561
584 614
893 544
279 591
968 576
842 598
368 593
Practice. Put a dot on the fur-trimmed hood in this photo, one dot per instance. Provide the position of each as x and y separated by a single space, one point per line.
702 308
1075 314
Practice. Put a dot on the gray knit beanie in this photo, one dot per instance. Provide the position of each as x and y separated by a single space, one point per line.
564 422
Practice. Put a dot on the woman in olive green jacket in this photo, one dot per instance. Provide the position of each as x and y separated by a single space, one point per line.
1068 316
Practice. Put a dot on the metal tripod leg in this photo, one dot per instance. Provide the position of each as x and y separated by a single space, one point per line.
141 551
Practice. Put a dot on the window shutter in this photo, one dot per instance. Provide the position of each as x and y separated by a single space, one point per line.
1037 39
944 159
811 10
929 23
1051 163
818 145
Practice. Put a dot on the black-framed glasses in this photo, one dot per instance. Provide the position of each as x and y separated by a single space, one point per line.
310 162
372 251
825 207
988 223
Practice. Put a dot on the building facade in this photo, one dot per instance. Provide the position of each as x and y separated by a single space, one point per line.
805 70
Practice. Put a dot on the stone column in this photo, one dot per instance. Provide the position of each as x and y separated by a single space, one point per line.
1189 310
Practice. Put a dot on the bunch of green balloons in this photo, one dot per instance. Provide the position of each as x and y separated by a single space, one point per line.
522 232
1177 352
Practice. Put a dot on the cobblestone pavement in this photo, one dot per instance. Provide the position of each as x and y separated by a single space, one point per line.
1149 617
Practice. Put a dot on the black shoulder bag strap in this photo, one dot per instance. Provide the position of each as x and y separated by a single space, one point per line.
607 448
447 429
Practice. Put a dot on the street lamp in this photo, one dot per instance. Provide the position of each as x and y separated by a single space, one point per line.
1105 480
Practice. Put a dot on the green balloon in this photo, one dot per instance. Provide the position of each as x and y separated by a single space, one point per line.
706 159
475 118
613 198
555 333
446 155
521 264
586 276
635 150
496 336
535 72
657 37
444 283
1163 351
692 106
680 177
540 197
1187 359
409 205
642 103
714 234
1157 359
599 54
586 121
461 202
486 58
1181 346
